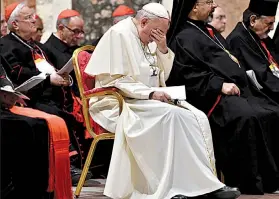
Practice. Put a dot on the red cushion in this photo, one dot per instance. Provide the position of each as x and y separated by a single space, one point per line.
87 80
88 85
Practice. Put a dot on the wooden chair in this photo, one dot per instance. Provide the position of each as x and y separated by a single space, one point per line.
86 84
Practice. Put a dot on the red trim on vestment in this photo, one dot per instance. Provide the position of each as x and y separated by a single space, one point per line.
59 161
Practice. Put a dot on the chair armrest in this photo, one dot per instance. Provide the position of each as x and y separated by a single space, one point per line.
98 92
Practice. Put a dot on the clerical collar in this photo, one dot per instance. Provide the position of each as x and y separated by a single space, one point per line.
17 36
29 43
254 37
214 39
58 43
199 23
61 45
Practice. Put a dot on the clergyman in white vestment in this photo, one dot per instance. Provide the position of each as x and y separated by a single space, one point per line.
160 150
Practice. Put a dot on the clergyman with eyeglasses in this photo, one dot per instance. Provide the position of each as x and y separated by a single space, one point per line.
62 44
218 19
242 118
27 58
70 32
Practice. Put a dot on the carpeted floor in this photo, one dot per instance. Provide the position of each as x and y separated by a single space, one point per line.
96 192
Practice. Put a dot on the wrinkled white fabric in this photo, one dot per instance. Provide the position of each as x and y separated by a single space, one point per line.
160 150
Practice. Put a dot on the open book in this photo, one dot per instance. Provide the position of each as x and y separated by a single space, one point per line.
67 68
30 83
10 90
176 92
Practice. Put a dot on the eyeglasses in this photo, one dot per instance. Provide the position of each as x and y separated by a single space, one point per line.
75 31
27 18
209 2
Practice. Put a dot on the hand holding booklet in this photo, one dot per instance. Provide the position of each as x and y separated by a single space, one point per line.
175 92
43 66
67 68
45 69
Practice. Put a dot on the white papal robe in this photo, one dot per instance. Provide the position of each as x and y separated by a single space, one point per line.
160 150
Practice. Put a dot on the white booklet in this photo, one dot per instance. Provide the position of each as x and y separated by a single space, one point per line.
20 96
67 68
251 74
176 92
44 67
11 90
30 83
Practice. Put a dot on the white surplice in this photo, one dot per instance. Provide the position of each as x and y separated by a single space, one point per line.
160 150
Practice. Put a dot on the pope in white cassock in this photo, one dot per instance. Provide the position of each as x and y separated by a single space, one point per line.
161 151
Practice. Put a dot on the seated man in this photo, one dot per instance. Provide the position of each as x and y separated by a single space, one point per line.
62 44
26 152
243 120
253 47
179 159
66 40
218 19
27 58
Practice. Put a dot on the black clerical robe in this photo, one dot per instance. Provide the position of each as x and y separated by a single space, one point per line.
245 142
54 100
61 54
24 152
252 55
275 39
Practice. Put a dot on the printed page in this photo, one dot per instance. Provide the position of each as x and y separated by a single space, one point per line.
67 68
30 83
44 67
9 89
176 92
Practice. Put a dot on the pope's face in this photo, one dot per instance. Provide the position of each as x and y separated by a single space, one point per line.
263 25
25 22
149 25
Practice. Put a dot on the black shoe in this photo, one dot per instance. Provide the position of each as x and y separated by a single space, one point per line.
179 197
76 173
225 193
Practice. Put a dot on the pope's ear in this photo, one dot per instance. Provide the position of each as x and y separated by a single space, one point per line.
143 22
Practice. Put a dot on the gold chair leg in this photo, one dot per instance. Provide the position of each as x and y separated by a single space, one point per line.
86 166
